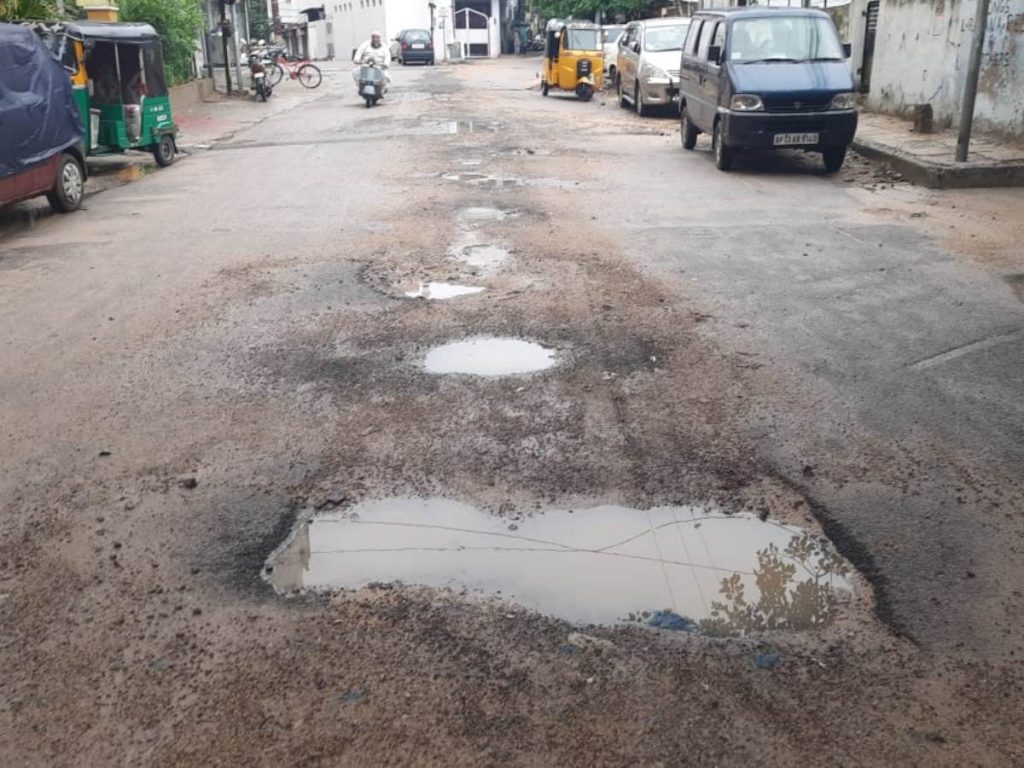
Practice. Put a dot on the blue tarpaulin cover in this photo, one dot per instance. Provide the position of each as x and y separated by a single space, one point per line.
38 114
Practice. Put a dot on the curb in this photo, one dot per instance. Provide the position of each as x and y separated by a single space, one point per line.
936 176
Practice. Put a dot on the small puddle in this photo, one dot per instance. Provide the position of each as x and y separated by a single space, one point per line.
489 356
480 213
482 255
452 127
673 567
442 291
470 176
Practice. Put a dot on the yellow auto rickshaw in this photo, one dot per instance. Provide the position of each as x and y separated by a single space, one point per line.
573 58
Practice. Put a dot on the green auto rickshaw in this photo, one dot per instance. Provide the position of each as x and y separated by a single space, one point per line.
118 74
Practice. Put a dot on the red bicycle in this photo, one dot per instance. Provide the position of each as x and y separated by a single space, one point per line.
306 73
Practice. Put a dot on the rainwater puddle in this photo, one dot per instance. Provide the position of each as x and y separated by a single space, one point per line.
489 356
452 127
442 291
483 255
485 214
470 176
717 574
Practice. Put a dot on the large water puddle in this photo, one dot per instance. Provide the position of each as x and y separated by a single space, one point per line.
489 356
442 291
482 213
483 256
672 567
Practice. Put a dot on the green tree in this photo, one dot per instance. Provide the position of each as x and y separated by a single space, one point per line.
587 9
27 10
178 22
259 21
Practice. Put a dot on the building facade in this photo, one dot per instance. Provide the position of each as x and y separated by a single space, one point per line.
913 52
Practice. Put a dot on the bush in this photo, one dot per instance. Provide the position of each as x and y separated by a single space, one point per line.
178 22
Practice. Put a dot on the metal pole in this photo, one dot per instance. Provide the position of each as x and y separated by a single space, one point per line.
963 141
224 30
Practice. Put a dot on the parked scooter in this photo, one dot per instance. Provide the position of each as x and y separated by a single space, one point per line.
371 82
260 83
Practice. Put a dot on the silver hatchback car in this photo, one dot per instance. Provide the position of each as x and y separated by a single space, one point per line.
648 63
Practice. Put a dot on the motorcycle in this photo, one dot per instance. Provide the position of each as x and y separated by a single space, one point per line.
260 83
371 82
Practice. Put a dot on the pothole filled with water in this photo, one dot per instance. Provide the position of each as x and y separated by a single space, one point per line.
442 291
680 568
480 213
482 255
489 356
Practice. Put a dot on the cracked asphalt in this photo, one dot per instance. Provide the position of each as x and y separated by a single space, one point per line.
199 356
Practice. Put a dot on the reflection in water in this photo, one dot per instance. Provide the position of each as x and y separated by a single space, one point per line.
676 568
794 590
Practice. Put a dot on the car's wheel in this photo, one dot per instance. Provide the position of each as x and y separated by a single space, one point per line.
638 101
723 155
687 131
622 96
69 188
833 158
163 150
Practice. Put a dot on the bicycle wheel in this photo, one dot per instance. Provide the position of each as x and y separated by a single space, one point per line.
274 73
309 75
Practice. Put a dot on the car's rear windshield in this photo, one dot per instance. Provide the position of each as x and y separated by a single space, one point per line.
611 34
784 38
582 40
665 38
417 36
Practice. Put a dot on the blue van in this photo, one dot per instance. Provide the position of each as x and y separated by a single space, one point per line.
767 78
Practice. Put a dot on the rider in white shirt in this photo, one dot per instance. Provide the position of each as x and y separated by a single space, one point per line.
372 50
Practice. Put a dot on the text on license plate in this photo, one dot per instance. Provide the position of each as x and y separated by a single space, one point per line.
418 46
790 139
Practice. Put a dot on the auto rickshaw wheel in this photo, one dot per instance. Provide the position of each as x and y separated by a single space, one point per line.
163 150
543 87
584 92
69 186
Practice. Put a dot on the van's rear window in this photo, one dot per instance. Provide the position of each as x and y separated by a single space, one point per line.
783 38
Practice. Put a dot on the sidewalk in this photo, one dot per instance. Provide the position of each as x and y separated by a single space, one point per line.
928 158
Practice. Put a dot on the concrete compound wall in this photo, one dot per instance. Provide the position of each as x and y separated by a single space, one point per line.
921 55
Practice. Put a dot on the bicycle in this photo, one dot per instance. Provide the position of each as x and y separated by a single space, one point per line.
302 70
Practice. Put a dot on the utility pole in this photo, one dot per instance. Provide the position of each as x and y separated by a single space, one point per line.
225 32
963 141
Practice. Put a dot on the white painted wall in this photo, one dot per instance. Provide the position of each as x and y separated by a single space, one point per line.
921 55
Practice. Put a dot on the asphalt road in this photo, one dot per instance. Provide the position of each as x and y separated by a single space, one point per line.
199 356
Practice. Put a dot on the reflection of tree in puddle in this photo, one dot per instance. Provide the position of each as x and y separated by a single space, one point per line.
787 600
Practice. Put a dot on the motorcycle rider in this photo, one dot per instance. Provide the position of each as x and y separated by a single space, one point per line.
372 50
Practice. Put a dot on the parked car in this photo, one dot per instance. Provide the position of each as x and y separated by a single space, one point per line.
413 45
648 63
42 152
610 35
767 78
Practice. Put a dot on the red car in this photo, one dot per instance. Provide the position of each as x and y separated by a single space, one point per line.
42 150
61 179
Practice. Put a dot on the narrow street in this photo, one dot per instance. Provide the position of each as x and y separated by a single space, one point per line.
199 362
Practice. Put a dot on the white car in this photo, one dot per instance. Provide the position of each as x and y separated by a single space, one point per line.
610 35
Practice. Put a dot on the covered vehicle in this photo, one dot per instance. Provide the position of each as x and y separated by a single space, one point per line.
573 58
41 151
118 74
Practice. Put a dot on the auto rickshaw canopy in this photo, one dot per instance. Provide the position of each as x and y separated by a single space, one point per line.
579 36
111 32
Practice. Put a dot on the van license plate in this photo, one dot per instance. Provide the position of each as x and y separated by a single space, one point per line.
793 139
418 46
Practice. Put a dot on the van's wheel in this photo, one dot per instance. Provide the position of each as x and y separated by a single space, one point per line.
723 155
69 188
622 97
163 151
687 131
638 101
833 158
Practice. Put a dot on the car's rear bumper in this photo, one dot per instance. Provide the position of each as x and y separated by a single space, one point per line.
757 130
422 57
